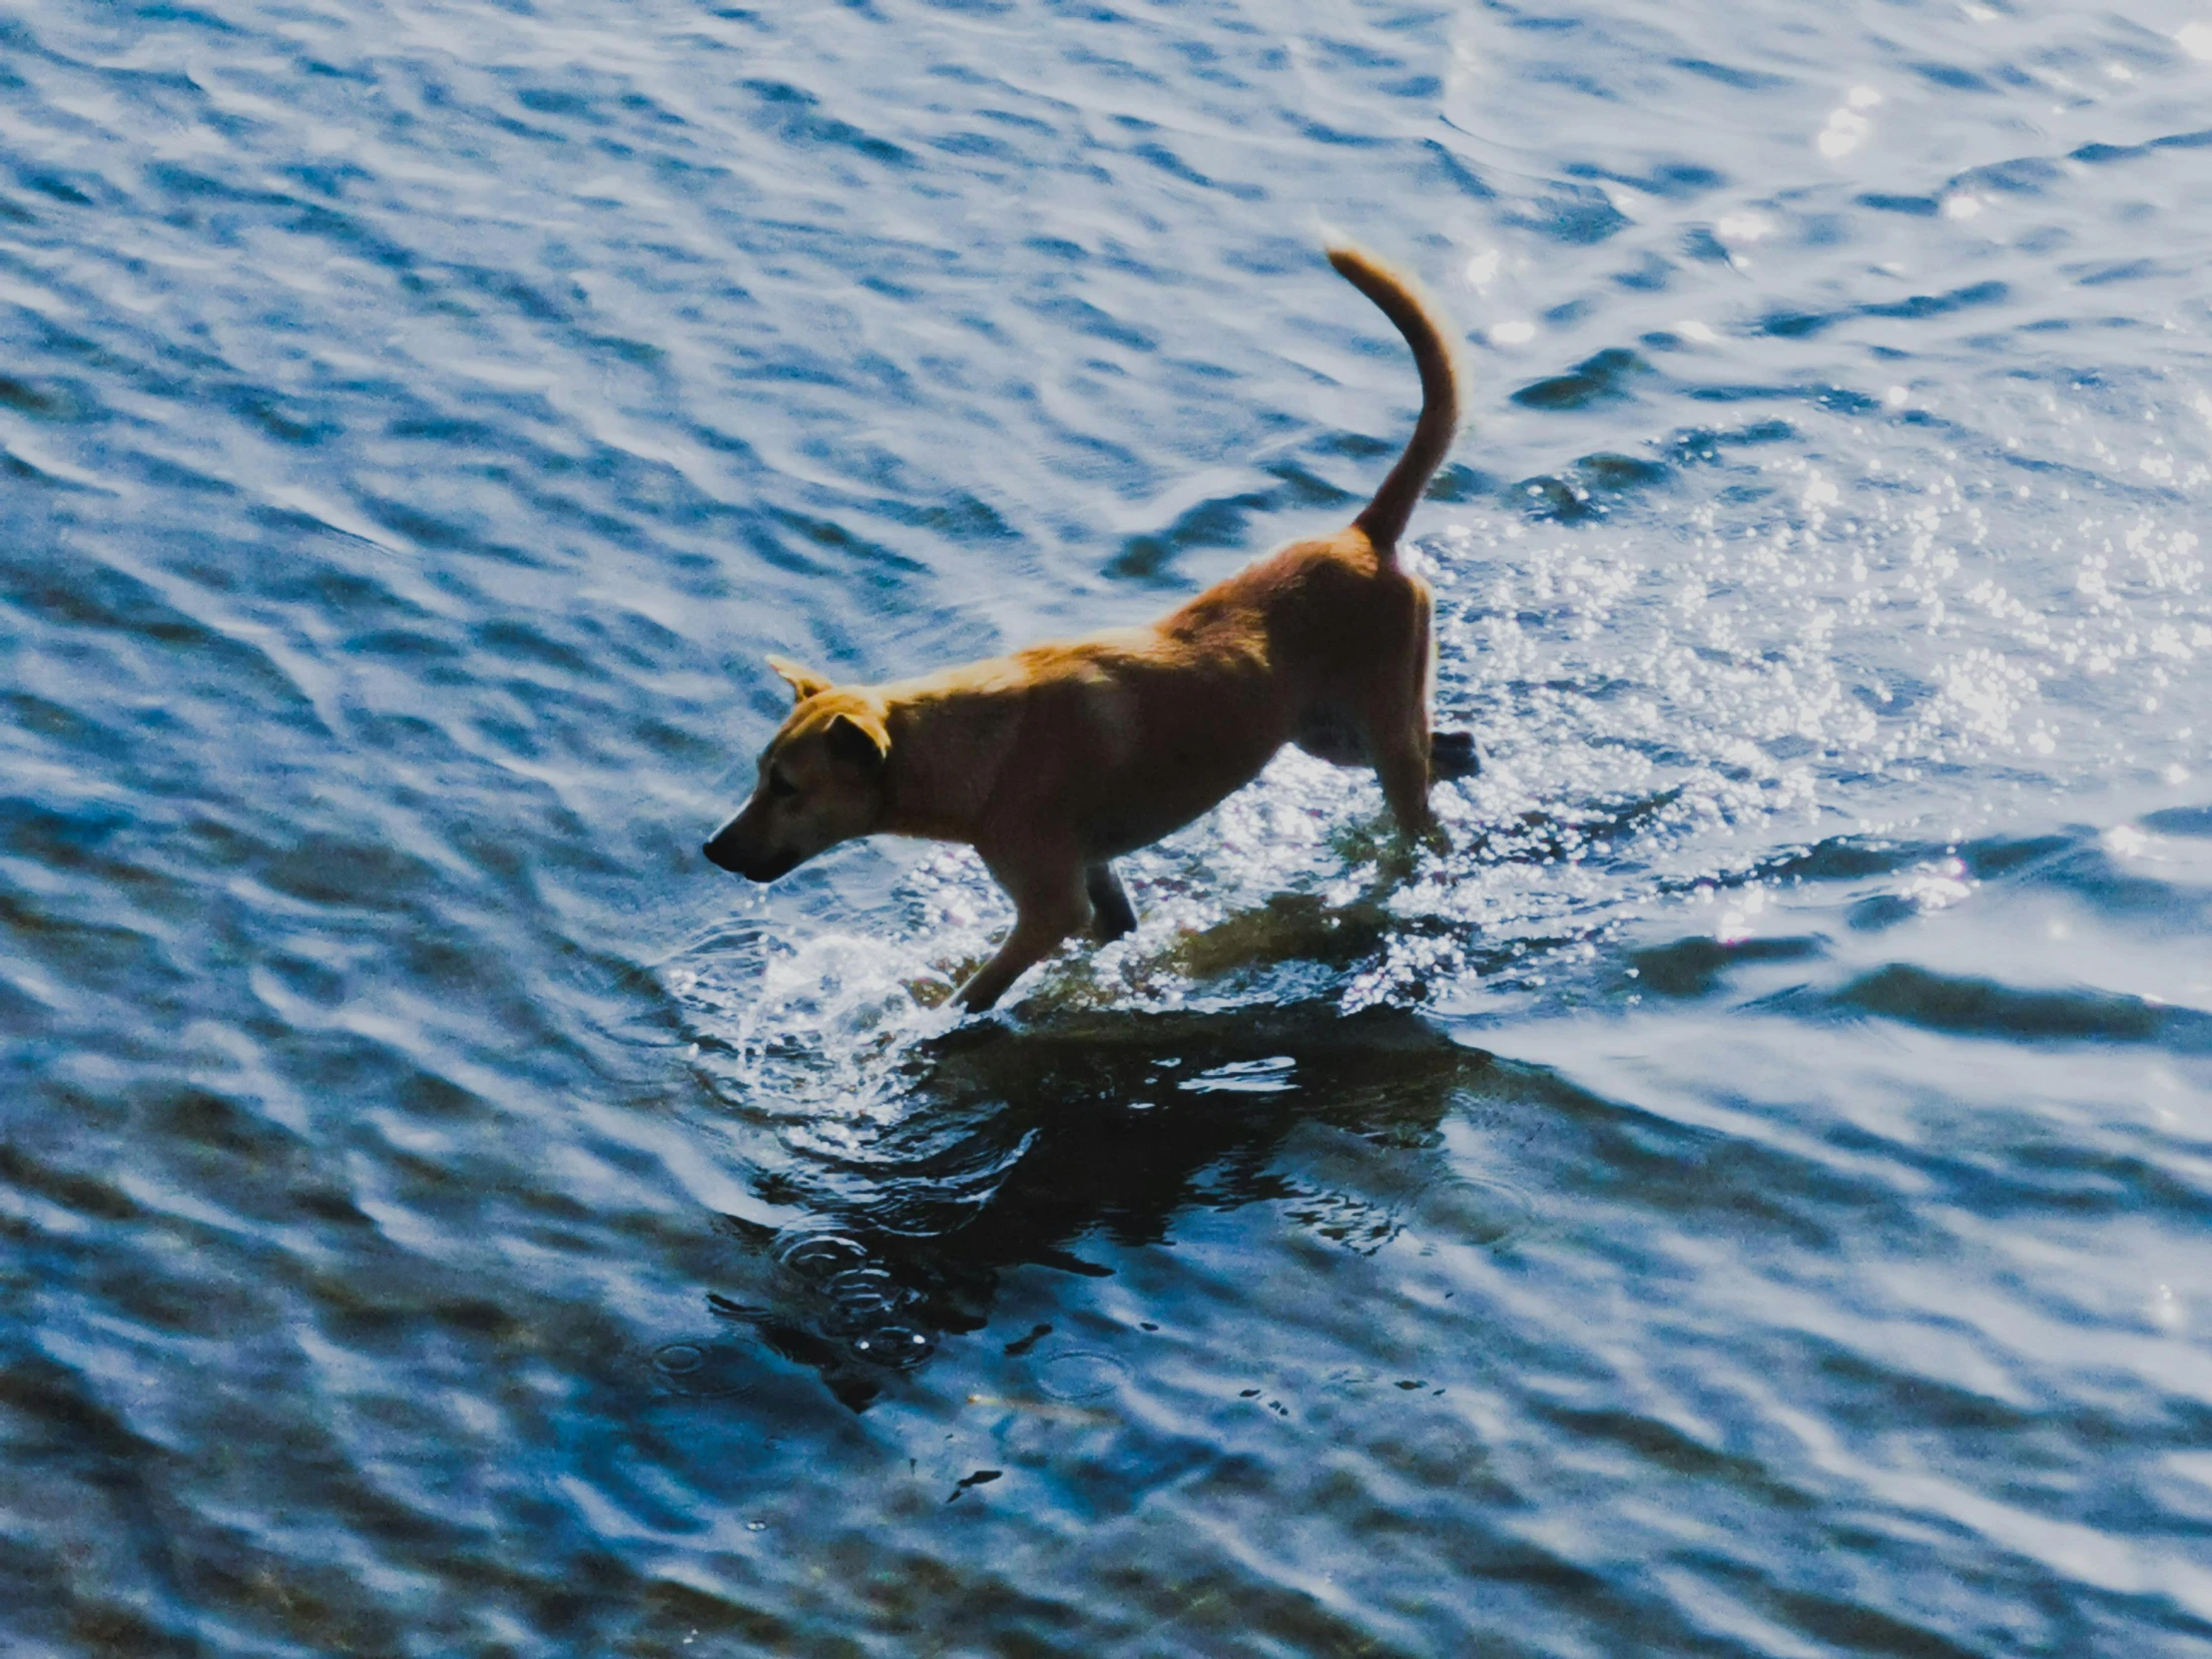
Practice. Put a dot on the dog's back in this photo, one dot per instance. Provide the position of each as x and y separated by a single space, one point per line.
1325 643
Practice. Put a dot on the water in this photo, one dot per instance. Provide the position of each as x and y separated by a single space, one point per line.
1749 1198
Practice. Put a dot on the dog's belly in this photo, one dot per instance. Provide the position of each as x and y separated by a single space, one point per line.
1138 819
1328 734
1134 805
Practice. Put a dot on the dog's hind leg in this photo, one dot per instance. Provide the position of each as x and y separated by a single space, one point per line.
1111 912
1049 905
1394 718
1402 765
1453 754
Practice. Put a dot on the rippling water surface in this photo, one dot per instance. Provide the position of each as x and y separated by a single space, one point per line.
1750 1197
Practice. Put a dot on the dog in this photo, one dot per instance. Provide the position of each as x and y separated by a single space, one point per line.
1054 760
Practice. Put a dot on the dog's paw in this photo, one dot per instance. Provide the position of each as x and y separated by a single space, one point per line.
1453 754
1399 858
1112 915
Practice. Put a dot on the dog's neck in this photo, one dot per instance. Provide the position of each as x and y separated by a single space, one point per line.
947 746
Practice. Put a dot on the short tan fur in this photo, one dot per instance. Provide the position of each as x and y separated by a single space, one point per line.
1057 759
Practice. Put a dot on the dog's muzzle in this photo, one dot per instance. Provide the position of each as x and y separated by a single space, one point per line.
723 857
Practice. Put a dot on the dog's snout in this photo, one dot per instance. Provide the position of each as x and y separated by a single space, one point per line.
726 850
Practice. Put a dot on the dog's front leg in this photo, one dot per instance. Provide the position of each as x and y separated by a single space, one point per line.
1049 905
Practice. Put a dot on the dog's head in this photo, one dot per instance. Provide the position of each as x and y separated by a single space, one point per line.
822 781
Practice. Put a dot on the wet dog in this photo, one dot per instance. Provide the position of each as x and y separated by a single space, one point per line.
1054 760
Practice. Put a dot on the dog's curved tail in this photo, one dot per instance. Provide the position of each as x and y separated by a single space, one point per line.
1384 518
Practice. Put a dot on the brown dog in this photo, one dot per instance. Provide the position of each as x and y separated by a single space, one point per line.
1060 757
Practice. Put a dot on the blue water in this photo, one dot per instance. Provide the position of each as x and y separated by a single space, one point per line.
1750 1198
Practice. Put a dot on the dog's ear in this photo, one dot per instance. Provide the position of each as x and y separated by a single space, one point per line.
804 681
860 738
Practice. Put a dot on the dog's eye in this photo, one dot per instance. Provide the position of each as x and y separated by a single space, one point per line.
779 785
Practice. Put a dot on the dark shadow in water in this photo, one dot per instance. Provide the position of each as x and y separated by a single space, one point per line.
1059 1142
1025 1143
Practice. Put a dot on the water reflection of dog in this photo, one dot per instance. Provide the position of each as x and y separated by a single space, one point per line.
1056 759
1022 1144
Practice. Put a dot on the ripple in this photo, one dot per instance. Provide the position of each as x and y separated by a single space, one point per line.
1081 1373
1983 1007
1489 1215
705 1368
893 1347
861 1299
819 1258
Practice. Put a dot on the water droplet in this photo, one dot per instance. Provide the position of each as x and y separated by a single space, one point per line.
896 1346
